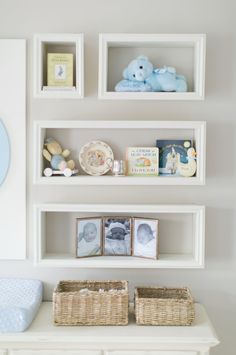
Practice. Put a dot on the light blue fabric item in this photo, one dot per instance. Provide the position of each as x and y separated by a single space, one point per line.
140 75
19 302
4 152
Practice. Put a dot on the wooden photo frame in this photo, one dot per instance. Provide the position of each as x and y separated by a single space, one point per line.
89 241
117 236
145 238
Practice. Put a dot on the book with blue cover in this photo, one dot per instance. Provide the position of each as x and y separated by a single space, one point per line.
171 153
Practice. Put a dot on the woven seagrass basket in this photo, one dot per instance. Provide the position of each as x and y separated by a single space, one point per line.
164 306
91 303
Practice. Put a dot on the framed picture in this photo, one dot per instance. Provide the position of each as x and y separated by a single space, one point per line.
145 238
88 237
117 233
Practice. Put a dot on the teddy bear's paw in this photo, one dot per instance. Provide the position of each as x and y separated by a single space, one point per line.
132 86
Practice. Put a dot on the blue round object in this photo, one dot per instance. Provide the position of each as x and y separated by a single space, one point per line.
4 152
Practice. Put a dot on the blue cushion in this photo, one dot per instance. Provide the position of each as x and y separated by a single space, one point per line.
19 302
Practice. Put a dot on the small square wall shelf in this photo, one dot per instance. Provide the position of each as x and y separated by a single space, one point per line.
181 235
185 52
119 135
58 43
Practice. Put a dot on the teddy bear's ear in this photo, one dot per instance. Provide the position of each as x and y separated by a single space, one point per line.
142 57
126 73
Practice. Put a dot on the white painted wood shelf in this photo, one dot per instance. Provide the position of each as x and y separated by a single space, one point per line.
58 43
185 52
119 135
43 338
181 235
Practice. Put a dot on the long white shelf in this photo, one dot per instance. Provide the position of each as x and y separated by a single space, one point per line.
165 261
191 237
119 134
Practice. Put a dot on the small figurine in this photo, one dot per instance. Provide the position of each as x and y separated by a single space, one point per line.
57 158
188 169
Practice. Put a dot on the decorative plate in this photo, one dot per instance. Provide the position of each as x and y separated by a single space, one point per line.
96 158
4 152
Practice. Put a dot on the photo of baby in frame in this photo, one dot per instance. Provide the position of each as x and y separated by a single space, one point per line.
117 235
145 238
88 237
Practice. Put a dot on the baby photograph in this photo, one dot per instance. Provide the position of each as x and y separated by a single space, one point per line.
145 239
117 236
88 237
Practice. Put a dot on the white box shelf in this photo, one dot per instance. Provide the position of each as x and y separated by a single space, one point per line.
185 52
119 135
181 235
58 43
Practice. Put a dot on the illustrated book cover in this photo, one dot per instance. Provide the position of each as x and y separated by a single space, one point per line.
60 69
171 153
142 161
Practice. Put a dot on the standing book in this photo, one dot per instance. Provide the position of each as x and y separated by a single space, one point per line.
60 69
142 161
171 154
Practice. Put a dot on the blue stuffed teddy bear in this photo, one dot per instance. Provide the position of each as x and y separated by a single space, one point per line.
140 75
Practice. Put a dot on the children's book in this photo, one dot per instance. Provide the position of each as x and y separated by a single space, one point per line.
142 161
171 153
60 69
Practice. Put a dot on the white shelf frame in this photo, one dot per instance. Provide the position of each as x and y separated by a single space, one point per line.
165 260
199 128
75 39
197 41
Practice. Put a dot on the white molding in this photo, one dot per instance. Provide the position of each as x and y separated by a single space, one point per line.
197 41
78 41
199 128
194 260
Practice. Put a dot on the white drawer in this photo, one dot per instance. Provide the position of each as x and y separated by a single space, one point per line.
3 352
157 352
53 352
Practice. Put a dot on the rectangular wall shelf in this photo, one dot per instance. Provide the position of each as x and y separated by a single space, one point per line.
58 43
119 135
181 235
185 52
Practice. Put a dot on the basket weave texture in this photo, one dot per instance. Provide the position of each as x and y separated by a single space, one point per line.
91 303
164 306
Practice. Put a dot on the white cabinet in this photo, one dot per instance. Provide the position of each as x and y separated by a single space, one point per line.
58 43
181 235
3 352
53 352
13 117
119 135
43 338
185 52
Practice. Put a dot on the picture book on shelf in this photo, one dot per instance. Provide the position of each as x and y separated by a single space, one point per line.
171 153
142 161
60 69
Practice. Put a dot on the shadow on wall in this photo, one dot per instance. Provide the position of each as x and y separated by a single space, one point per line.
220 66
220 238
220 151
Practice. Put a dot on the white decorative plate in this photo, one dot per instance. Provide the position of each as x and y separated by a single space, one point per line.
96 158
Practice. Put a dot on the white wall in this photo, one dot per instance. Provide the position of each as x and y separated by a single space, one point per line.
215 286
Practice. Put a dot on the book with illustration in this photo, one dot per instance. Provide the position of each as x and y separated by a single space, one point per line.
60 69
171 153
142 161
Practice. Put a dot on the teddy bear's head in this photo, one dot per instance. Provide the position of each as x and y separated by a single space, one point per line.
53 146
139 69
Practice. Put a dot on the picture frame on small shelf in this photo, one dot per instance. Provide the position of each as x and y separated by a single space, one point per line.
145 238
117 236
89 237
